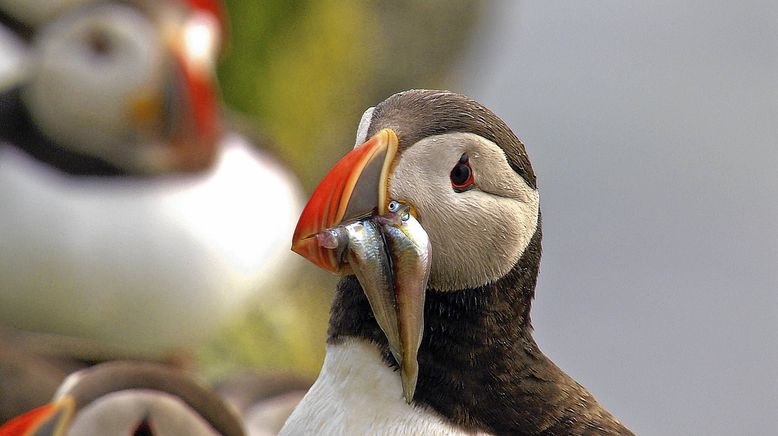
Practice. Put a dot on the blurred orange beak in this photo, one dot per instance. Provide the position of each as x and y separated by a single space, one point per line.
212 14
183 112
356 186
51 419
197 129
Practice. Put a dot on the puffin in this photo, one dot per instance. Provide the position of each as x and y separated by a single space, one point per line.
441 343
129 398
114 87
133 216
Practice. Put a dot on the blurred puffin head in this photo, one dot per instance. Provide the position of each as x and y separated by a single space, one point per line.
129 398
130 84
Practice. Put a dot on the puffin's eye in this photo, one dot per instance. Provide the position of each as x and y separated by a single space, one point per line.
99 42
462 175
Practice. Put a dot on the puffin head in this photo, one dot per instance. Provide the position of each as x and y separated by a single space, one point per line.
128 83
461 171
129 398
469 180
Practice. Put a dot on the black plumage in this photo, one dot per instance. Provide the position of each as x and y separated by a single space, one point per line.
19 130
478 363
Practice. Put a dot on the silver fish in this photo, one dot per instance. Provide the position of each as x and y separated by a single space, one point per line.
361 244
411 255
391 256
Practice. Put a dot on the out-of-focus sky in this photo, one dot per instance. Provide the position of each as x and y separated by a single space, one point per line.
653 129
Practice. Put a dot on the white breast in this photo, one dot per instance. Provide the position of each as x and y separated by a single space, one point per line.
151 264
357 393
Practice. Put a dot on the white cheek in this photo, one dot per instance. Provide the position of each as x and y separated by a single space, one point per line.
476 236
73 87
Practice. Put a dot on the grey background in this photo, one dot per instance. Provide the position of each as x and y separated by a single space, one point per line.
653 129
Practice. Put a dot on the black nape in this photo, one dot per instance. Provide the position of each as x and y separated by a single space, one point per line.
18 129
20 29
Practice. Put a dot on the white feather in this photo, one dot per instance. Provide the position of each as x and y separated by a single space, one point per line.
148 263
477 236
13 55
364 125
358 394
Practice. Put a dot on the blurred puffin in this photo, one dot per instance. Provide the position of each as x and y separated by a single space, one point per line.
468 182
129 398
130 216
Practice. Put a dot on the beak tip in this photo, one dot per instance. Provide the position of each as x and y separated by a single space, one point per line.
409 378
310 248
408 393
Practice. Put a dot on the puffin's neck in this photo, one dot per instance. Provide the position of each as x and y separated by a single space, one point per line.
478 363
17 128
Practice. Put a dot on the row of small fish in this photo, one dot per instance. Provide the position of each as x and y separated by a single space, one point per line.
390 255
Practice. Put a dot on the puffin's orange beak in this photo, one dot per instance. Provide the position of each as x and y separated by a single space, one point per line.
182 110
50 419
196 124
356 186
198 127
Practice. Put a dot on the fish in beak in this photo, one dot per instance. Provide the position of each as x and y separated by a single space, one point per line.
411 257
351 226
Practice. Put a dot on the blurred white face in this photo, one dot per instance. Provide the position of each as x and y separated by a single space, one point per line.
91 71
123 412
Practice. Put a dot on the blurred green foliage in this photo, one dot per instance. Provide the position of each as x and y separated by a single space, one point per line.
285 328
303 72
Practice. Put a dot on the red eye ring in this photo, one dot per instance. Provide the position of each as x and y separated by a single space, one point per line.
462 175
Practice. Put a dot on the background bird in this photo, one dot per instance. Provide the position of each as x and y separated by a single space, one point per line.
129 398
469 181
134 218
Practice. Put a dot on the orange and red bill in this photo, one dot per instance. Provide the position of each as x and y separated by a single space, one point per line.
49 420
356 186
181 110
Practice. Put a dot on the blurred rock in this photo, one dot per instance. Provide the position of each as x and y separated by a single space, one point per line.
264 399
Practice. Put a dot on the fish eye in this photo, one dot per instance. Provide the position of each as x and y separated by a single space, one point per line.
394 206
462 175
